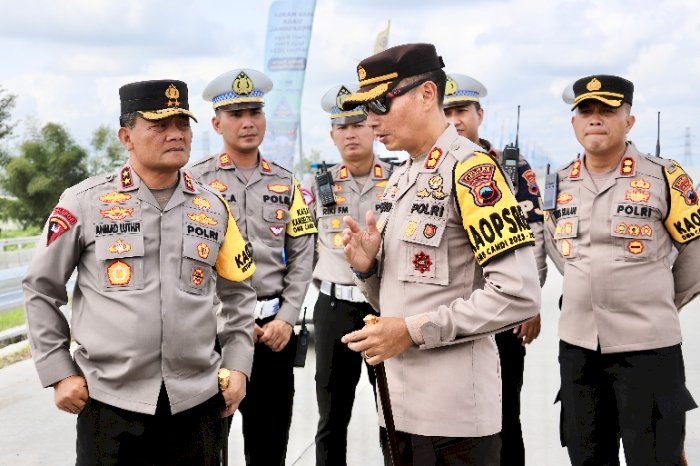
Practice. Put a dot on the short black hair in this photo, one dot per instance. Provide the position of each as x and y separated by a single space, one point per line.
436 76
128 120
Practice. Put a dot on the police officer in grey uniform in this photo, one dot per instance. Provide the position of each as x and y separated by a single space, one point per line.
357 184
266 201
616 219
463 109
448 264
152 246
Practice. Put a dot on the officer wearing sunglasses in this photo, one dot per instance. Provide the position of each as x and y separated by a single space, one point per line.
448 264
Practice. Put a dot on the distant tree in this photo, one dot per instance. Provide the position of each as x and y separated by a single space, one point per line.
48 162
303 166
108 153
7 103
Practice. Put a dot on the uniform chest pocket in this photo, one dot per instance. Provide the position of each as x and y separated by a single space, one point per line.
275 224
198 259
565 236
120 262
423 261
634 238
332 226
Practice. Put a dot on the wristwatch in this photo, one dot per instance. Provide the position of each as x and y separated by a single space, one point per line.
365 275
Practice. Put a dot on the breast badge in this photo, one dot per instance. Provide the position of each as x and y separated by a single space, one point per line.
410 228
635 247
119 247
201 203
197 276
564 198
202 218
565 247
203 250
278 188
115 197
435 185
119 273
429 230
422 262
637 195
218 185
276 230
117 213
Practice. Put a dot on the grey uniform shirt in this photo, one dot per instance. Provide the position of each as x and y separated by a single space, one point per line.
613 243
142 305
274 218
457 264
353 201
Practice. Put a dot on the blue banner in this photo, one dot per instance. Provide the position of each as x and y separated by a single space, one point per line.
286 48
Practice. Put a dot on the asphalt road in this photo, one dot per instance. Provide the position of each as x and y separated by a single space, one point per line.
33 432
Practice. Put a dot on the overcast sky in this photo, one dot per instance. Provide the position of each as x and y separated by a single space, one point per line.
66 60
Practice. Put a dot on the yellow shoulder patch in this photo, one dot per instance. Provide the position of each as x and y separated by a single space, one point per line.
301 223
234 261
683 220
491 216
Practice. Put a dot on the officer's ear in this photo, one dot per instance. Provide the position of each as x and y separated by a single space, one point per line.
216 123
124 135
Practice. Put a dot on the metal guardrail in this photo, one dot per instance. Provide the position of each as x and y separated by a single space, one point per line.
15 252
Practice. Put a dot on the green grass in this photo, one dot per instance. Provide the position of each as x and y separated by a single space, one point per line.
12 318
31 231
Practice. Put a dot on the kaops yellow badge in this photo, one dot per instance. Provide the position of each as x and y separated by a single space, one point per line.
301 223
683 220
491 216
234 261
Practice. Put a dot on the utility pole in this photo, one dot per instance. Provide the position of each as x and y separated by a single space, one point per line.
687 155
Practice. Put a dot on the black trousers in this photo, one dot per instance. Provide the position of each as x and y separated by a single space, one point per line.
338 371
512 355
418 450
112 436
267 407
639 397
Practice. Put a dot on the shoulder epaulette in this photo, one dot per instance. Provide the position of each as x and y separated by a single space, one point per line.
668 164
203 161
462 149
566 166
90 183
280 166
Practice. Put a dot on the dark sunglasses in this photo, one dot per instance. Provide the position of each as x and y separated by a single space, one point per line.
382 105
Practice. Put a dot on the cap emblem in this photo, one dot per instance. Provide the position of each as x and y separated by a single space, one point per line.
593 85
451 86
361 73
172 93
242 85
343 94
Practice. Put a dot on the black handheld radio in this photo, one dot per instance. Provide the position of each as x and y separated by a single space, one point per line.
324 182
511 157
